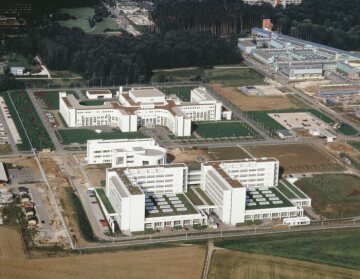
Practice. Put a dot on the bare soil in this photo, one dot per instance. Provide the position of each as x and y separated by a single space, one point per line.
297 158
253 103
179 262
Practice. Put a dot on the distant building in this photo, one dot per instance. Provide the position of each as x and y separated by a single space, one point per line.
17 71
98 94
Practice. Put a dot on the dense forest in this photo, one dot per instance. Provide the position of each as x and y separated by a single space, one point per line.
332 22
127 59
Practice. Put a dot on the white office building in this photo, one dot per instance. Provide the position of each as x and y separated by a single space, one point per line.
125 152
150 198
144 106
245 190
98 94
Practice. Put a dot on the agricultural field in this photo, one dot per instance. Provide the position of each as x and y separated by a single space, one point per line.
82 16
240 265
51 98
355 144
80 136
333 195
174 262
297 158
224 129
29 119
253 103
339 248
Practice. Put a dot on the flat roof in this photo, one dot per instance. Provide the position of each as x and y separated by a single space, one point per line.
104 199
190 209
270 198
98 92
146 92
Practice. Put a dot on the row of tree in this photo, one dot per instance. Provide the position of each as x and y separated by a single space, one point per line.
332 22
127 59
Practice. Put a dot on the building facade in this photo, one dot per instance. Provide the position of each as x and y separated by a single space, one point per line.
125 152
144 106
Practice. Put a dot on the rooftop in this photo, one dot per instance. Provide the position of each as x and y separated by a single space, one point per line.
140 92
265 198
105 201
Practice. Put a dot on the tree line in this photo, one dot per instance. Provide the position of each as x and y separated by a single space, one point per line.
331 22
126 59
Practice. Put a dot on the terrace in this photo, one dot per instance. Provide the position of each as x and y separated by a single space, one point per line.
266 198
105 201
168 205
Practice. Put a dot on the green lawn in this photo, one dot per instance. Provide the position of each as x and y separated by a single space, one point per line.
68 136
222 129
105 200
333 195
183 92
341 248
92 103
355 144
348 130
82 21
51 98
30 120
17 60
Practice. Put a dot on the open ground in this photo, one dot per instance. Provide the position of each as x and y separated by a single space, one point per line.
333 195
238 265
178 262
253 103
297 158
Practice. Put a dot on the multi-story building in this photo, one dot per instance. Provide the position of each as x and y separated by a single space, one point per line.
144 106
299 59
125 152
239 191
150 198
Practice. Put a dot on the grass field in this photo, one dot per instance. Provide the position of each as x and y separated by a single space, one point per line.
30 120
51 98
355 144
183 92
162 263
68 136
82 21
224 77
297 158
223 129
17 60
333 195
348 130
239 265
341 248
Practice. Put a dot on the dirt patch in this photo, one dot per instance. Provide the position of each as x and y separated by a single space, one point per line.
239 265
339 147
297 158
180 262
253 103
187 155
11 246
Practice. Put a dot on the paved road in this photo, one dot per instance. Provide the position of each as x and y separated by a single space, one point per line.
8 133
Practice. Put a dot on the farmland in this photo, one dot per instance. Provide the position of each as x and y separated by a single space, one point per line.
30 120
333 195
176 262
80 136
297 158
240 265
224 129
340 248
51 98
227 153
